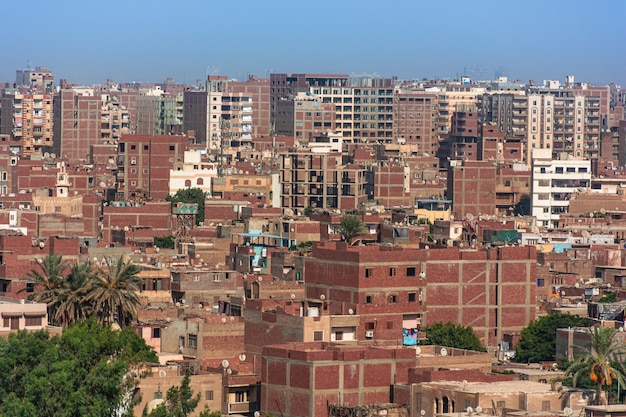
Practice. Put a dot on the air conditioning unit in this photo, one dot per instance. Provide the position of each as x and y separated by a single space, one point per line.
369 334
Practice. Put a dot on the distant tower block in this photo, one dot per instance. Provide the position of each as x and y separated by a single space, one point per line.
185 220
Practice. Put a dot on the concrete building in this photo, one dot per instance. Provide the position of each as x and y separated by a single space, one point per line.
216 115
23 315
27 117
320 180
553 183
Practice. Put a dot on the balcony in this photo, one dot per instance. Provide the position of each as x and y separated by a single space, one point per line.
244 407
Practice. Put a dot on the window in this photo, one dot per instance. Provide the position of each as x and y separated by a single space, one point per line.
156 332
30 287
542 170
410 271
133 147
412 297
368 272
368 299
318 335
370 325
393 299
33 321
192 341
172 147
545 406
145 147
392 272
559 170
500 404
339 335
571 169
208 395
389 325
582 169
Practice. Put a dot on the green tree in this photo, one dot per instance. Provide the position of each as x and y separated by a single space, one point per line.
190 195
48 279
602 361
522 208
608 298
72 302
180 401
84 372
350 227
165 242
114 292
538 339
451 335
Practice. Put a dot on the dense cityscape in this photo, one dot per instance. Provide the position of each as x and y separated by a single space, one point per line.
314 245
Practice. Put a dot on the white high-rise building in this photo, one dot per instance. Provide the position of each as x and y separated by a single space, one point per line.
553 183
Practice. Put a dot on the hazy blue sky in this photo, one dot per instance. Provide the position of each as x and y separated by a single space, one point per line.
87 41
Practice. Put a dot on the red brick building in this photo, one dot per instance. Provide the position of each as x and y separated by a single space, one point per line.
472 188
144 163
395 291
302 379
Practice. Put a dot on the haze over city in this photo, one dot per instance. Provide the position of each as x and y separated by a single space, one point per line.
87 42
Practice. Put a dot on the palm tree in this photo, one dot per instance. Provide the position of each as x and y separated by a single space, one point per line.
607 349
48 280
350 227
113 292
73 305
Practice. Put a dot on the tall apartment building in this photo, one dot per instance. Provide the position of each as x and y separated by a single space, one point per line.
39 79
159 114
566 118
320 180
304 117
553 183
144 163
27 117
217 116
258 89
83 117
415 120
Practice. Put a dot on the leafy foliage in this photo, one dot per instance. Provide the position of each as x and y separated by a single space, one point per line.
608 298
83 372
165 242
109 293
538 339
180 402
190 195
601 362
350 227
522 208
455 336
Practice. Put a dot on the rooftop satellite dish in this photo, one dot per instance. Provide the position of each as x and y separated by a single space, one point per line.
167 319
418 350
469 410
223 319
350 311
292 296
225 364
568 411
479 409
103 184
257 414
585 234
422 412
242 357
229 371
260 279
469 216
322 297
162 373
443 351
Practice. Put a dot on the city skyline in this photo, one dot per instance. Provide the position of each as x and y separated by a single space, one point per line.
148 42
